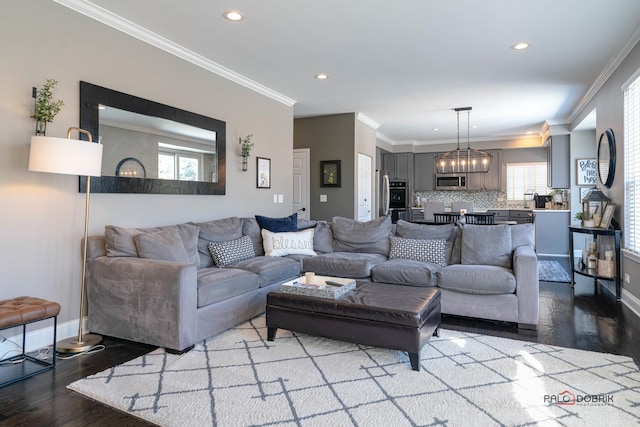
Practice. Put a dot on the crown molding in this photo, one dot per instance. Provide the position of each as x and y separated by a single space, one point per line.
608 70
117 22
385 138
368 121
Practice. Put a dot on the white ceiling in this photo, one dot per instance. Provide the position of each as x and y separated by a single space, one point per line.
404 64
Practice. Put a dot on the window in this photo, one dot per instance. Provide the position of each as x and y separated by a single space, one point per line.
632 166
173 164
522 177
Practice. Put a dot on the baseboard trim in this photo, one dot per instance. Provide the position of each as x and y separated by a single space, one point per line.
553 255
37 338
631 301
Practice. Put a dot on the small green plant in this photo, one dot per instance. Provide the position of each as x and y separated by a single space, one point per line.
578 216
246 145
46 109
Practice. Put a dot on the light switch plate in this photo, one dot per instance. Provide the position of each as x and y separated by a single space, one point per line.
275 198
323 197
280 198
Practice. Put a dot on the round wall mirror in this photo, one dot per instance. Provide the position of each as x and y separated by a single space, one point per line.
606 158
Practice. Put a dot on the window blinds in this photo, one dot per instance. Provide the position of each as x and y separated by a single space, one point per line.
526 176
632 166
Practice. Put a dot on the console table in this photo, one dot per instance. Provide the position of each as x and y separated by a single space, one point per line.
590 272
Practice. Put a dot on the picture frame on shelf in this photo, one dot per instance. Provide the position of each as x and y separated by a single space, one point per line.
607 216
263 172
330 173
586 172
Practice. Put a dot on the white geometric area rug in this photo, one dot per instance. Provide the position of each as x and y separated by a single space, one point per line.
238 378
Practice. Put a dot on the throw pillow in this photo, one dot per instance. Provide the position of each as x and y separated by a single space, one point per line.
164 245
354 236
486 245
225 253
449 232
279 225
289 243
522 235
425 250
219 230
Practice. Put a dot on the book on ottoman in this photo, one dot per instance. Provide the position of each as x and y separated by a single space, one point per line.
321 286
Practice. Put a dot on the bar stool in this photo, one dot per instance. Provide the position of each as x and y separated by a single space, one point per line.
480 218
456 206
431 207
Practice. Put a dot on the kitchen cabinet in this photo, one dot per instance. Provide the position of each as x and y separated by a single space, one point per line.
499 214
558 162
417 214
521 216
424 171
551 232
490 180
399 166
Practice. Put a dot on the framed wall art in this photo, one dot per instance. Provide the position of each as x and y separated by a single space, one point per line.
607 216
330 173
263 172
586 171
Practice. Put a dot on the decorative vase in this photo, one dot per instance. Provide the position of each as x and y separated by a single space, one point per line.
41 128
244 163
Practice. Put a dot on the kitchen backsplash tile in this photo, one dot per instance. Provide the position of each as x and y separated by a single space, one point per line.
481 199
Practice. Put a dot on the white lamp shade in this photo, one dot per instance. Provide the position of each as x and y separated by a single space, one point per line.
65 156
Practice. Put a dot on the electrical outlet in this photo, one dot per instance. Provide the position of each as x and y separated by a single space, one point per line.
627 278
275 198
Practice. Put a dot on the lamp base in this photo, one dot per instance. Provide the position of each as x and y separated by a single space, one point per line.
72 345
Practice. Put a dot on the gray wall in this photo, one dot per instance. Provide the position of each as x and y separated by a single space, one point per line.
329 138
42 215
608 103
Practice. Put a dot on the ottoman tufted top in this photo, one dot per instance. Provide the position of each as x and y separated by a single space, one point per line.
17 311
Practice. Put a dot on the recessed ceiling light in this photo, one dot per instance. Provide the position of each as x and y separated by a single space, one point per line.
520 46
530 132
436 129
322 76
233 15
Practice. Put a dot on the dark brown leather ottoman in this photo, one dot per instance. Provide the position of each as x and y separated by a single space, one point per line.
389 316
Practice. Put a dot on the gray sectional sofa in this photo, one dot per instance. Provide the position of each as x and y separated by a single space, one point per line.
175 286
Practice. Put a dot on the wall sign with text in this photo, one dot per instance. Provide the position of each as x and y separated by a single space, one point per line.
586 172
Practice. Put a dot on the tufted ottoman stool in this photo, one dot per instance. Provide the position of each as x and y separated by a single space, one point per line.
20 312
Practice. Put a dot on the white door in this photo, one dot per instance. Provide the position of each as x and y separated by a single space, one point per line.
301 182
364 187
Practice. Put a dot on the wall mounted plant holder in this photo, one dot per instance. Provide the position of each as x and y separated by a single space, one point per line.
245 161
245 149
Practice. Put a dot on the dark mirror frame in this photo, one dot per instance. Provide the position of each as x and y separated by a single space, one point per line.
611 143
91 96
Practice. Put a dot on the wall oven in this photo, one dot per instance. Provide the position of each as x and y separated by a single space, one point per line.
398 199
451 181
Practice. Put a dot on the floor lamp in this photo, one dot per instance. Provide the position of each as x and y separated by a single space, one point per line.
71 157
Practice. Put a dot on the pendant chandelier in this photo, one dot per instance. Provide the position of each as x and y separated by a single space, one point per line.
463 161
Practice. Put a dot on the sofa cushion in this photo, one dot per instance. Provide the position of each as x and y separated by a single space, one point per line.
522 235
354 236
406 272
220 230
251 228
280 244
426 250
343 264
486 245
477 279
322 238
270 270
219 284
119 240
278 225
164 245
225 253
428 231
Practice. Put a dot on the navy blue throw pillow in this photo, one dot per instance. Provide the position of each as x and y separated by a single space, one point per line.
278 225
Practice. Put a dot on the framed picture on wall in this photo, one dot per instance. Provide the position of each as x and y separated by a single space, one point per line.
263 172
586 171
330 173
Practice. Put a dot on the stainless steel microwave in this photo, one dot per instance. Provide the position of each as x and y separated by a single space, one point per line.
451 181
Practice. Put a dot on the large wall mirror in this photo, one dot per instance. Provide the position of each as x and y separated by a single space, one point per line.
606 158
151 147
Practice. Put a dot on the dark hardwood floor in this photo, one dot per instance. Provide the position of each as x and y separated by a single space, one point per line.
577 319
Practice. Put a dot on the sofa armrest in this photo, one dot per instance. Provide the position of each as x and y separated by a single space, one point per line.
143 300
525 268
